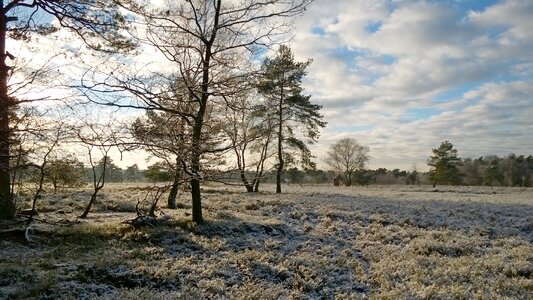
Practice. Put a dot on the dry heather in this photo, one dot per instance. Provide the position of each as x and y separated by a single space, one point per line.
308 243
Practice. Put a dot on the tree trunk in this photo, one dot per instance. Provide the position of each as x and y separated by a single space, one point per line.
91 202
280 148
7 205
195 168
54 183
171 203
199 121
195 161
241 165
256 185
35 197
349 179
98 185
434 183
196 201
249 187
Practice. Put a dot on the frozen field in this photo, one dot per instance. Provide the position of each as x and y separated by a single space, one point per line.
308 243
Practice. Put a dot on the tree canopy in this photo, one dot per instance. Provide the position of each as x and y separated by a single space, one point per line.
346 156
444 165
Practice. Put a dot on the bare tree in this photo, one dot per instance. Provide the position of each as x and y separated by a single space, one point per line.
264 146
206 41
250 129
51 139
99 138
36 137
347 156
97 23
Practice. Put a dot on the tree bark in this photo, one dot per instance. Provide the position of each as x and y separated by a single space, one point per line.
199 121
280 147
195 161
256 185
249 187
241 165
349 179
171 203
91 202
98 185
261 166
7 204
196 155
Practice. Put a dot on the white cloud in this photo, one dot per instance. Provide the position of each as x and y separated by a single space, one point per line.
377 62
402 76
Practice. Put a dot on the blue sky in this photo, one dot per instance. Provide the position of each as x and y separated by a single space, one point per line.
402 76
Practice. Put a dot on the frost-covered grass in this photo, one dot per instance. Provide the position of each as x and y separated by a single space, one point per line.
310 242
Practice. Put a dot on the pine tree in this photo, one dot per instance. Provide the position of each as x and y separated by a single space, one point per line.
281 85
444 163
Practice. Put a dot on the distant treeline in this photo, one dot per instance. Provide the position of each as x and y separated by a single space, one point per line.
512 170
492 170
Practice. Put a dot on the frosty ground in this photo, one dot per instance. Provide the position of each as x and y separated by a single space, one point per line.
309 242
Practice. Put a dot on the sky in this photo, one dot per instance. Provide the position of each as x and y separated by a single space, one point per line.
403 76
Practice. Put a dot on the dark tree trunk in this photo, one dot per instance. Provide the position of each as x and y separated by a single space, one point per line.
98 185
349 179
171 203
241 165
195 161
91 202
280 147
7 204
196 201
278 182
260 167
256 185
35 197
249 187
196 155
199 121
54 183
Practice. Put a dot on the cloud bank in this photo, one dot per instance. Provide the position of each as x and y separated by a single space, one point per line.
402 76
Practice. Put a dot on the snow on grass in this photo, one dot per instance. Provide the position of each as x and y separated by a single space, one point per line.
310 242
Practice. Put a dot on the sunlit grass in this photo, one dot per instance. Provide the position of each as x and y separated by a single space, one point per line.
310 242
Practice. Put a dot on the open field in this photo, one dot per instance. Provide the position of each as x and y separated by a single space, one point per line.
310 242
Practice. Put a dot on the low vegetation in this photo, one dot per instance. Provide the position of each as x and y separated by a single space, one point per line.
351 242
